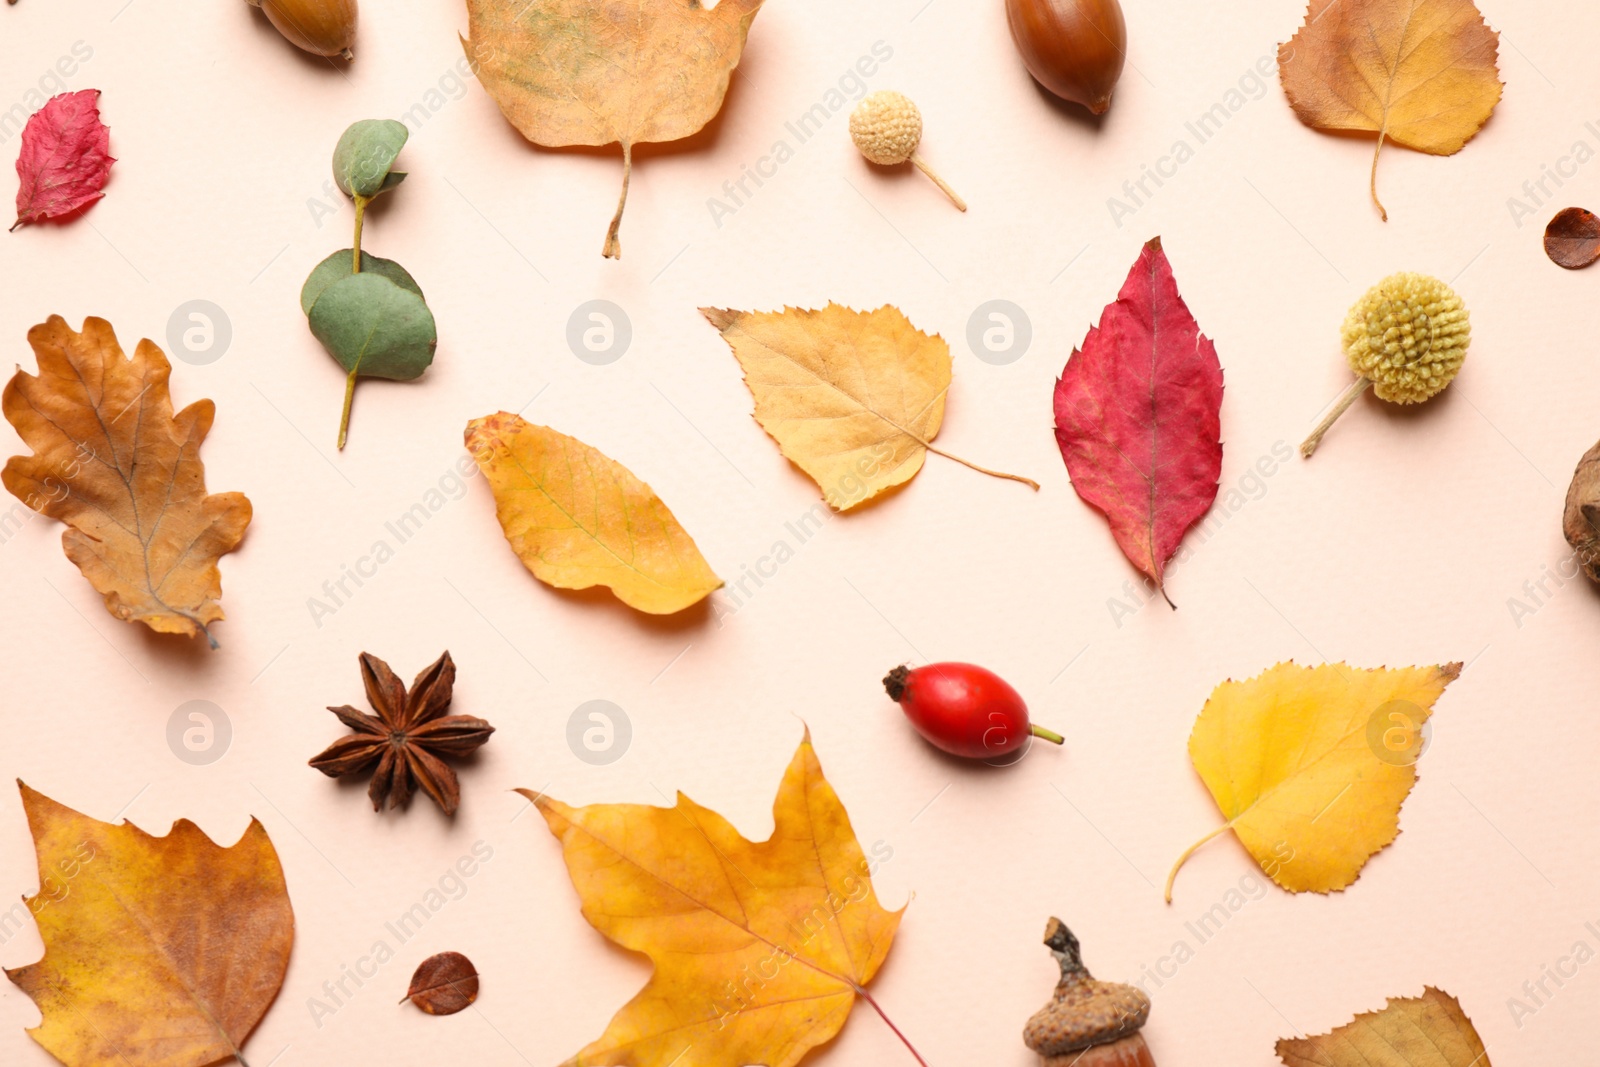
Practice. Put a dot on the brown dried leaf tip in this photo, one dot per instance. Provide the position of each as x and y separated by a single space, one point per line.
1572 240
407 738
444 984
1088 1023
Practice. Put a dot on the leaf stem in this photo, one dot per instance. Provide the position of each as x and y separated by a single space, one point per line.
1373 184
613 246
1191 850
955 198
981 470
864 995
344 417
355 252
1340 406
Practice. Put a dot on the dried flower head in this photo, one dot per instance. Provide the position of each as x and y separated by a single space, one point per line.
887 128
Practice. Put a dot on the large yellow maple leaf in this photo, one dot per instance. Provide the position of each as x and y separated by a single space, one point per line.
112 461
1309 765
158 951
1420 73
760 948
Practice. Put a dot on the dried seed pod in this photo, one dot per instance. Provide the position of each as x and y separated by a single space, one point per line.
1405 339
1074 48
1572 239
1088 1023
887 127
1581 520
321 27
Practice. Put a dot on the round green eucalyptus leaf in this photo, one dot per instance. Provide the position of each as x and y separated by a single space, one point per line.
375 328
337 266
364 154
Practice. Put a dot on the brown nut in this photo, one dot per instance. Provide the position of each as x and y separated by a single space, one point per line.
321 27
1088 1023
1074 48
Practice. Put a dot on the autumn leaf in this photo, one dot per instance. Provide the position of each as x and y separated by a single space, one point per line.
114 463
158 951
1309 765
578 518
65 159
575 72
1426 1031
1138 416
1420 73
853 398
759 948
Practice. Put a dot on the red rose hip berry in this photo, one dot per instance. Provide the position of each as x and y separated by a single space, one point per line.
964 709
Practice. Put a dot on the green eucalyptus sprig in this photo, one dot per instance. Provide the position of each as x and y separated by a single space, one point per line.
368 312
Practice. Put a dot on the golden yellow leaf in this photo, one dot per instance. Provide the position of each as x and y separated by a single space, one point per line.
1420 73
158 951
114 463
759 948
1309 765
853 398
1426 1031
582 72
578 519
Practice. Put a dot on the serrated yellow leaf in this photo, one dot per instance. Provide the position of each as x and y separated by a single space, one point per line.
158 951
1309 765
1426 1031
759 948
577 518
1421 73
853 398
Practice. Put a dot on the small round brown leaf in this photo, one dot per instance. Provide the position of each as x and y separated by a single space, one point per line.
1572 240
444 984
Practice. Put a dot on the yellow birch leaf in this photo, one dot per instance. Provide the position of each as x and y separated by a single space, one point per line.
578 518
1420 73
158 951
1309 765
853 398
760 949
1426 1031
112 461
599 72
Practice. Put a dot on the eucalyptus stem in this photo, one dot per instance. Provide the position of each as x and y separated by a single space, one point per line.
344 416
355 257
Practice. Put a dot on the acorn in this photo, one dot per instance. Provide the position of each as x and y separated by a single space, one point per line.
1074 48
887 128
1088 1023
1405 339
321 27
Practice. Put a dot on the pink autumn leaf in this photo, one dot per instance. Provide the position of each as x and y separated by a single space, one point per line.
1138 416
65 160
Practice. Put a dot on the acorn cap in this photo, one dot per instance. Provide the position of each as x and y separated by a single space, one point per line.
1084 1012
1408 336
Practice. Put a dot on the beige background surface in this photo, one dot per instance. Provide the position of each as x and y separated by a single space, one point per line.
1402 542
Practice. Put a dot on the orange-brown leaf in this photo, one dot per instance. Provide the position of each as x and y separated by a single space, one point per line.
1420 73
158 951
112 461
759 947
1426 1031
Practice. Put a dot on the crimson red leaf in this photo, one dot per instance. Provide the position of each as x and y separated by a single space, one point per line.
66 157
1138 416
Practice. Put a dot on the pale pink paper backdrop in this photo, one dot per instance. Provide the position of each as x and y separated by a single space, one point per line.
1402 542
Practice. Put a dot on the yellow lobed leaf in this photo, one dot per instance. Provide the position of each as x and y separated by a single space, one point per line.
853 398
1421 73
577 518
1426 1031
159 951
599 72
759 948
114 463
1309 765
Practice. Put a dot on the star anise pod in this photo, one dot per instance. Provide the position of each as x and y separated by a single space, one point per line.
407 737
